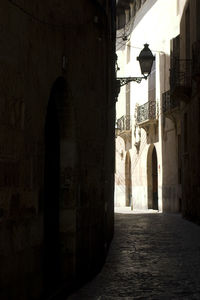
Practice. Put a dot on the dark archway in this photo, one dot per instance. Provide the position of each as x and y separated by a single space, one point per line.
155 178
128 179
51 189
152 178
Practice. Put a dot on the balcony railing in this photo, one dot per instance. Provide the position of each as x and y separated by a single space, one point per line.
169 103
196 60
146 112
180 76
124 123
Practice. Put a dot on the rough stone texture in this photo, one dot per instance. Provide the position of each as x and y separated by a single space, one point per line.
190 111
75 104
152 256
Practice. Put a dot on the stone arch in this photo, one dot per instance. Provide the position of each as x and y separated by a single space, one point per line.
51 191
60 156
128 180
152 178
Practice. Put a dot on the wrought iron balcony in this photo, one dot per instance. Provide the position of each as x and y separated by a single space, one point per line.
180 77
169 103
146 112
196 60
124 123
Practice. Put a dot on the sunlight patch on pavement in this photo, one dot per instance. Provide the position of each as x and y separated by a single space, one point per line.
128 210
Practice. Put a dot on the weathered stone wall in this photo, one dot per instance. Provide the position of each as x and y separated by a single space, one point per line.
190 110
170 192
148 26
32 47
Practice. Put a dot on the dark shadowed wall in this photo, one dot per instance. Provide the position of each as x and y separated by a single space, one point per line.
57 112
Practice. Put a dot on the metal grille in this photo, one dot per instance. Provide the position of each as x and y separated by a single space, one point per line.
146 112
169 102
180 73
124 123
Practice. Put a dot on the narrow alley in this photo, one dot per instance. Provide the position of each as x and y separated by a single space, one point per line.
152 256
99 114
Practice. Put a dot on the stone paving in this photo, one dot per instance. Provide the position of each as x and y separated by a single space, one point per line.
152 256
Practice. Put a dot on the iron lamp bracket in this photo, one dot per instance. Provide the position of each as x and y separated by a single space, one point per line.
126 80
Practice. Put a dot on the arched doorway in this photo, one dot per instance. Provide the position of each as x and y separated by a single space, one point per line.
128 179
155 178
152 178
52 189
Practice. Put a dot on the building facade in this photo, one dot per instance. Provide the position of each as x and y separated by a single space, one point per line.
57 132
185 87
154 149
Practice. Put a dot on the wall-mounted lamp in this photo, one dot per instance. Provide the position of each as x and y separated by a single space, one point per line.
145 59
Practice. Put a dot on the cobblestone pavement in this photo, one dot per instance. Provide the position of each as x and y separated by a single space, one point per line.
152 256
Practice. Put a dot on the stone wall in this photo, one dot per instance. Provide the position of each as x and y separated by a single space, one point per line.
67 47
190 111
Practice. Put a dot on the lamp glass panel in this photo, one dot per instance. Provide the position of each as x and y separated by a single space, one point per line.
146 65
